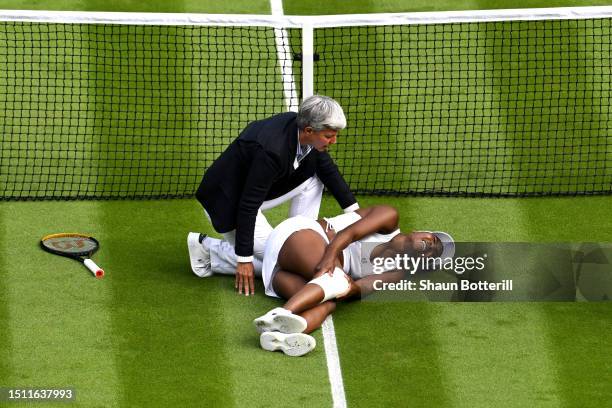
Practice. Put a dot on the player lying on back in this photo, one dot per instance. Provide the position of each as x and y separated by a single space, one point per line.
313 263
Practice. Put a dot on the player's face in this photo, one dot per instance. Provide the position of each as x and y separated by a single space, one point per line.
322 139
425 243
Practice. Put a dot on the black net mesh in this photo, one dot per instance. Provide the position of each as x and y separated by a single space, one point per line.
497 108
492 108
120 111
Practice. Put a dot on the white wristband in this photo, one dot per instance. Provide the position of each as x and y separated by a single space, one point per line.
243 259
351 208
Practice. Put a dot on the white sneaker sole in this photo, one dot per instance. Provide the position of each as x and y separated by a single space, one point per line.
284 323
196 253
292 344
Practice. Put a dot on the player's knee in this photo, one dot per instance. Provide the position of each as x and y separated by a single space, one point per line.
332 285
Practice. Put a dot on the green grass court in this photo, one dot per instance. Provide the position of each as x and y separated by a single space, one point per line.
152 334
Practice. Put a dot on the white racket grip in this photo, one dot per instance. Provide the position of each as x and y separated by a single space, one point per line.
95 269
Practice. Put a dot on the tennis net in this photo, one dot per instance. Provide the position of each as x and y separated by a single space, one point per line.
435 105
127 110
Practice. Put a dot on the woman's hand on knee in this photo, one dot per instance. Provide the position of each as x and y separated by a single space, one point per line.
325 266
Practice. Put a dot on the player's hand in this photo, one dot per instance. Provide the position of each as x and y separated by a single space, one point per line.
327 265
245 278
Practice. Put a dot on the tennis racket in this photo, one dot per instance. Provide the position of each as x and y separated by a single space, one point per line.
76 246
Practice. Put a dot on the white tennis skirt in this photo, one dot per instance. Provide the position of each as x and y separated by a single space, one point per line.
275 242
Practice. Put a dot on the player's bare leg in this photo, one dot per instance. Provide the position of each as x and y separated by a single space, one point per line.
317 314
306 309
302 300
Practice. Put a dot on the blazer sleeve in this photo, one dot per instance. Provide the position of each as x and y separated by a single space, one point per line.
328 173
265 169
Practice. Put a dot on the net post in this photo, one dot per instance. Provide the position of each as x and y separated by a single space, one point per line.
307 60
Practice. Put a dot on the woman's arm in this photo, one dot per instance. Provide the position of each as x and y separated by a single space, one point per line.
380 218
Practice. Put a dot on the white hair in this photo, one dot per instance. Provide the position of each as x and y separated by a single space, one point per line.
321 112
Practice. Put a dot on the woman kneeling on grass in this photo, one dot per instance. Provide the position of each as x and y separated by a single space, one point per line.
314 262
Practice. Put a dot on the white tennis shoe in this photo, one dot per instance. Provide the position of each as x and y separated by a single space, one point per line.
280 320
199 255
292 344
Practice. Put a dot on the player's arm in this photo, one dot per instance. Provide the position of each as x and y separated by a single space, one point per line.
380 218
262 174
330 176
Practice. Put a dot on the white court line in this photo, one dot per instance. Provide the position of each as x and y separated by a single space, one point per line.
285 59
291 100
333 363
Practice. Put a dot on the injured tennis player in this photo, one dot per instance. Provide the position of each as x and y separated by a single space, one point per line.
314 263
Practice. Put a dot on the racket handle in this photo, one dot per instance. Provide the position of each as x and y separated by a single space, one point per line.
95 269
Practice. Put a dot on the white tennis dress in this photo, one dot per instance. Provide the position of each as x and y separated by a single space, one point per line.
356 255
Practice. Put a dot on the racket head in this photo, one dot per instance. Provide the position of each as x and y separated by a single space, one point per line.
72 245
